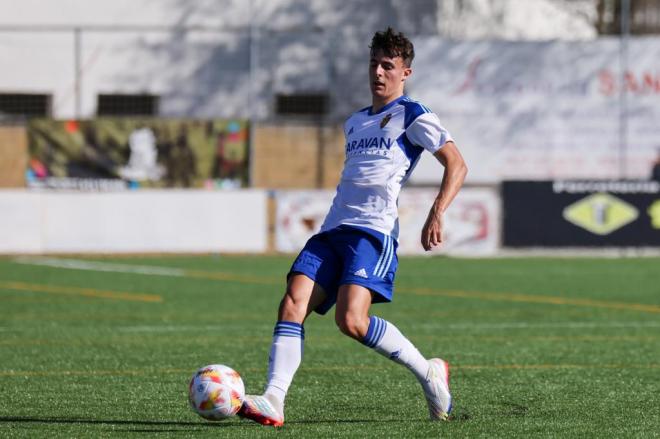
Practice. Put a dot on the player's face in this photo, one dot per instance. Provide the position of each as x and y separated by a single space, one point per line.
387 76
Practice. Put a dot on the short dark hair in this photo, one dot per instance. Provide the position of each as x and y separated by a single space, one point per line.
393 44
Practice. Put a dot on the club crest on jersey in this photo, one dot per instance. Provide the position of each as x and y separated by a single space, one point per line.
386 119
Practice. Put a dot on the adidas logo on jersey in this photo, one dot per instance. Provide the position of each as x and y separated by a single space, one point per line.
362 273
350 131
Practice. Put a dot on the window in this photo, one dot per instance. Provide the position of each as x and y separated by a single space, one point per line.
644 17
302 104
25 105
127 105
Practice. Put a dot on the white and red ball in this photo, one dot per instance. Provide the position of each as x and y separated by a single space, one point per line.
216 392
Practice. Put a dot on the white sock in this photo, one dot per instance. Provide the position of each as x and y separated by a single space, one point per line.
388 341
286 353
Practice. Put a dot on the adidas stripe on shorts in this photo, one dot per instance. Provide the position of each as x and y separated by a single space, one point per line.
349 255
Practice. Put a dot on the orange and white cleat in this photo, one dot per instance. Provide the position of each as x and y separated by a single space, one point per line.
436 390
261 410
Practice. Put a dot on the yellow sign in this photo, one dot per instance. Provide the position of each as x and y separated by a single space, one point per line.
600 213
654 213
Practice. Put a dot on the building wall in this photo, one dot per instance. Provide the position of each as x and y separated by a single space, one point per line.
297 156
13 151
205 60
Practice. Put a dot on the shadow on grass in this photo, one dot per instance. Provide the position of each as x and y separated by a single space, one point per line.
191 425
35 420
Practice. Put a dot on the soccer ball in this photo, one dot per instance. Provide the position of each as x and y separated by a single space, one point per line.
216 392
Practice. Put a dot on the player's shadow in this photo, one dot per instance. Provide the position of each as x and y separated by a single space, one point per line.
146 426
145 423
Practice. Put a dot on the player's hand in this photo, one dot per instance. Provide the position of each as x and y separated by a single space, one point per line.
432 230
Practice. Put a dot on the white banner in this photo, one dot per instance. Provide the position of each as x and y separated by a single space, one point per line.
298 216
542 110
471 223
186 221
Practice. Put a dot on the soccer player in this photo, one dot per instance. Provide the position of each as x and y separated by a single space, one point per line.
351 262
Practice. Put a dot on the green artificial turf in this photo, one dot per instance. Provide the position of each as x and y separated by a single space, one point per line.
539 347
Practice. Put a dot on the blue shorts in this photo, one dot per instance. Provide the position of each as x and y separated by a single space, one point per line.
349 255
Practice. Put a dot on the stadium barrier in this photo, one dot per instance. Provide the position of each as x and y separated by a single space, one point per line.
472 224
581 213
237 221
146 221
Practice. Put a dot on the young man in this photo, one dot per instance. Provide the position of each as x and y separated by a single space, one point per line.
351 263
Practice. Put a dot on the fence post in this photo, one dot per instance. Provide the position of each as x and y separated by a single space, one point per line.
623 93
77 60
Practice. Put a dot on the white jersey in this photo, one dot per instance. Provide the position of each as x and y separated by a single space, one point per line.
382 149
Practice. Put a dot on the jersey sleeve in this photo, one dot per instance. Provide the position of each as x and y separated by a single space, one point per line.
427 132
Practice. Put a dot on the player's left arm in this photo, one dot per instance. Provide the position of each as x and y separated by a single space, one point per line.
452 180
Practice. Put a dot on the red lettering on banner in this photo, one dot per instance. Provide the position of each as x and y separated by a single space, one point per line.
639 84
652 83
630 83
607 83
470 78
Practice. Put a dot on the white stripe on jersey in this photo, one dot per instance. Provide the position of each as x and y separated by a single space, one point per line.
388 261
383 255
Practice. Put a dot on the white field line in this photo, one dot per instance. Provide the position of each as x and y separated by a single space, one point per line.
457 326
76 264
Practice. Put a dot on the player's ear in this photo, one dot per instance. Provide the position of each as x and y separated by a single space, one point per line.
406 73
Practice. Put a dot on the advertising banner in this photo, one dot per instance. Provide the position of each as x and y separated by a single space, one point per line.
471 222
121 153
543 110
581 213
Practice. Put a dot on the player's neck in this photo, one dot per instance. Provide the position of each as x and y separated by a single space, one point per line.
378 102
